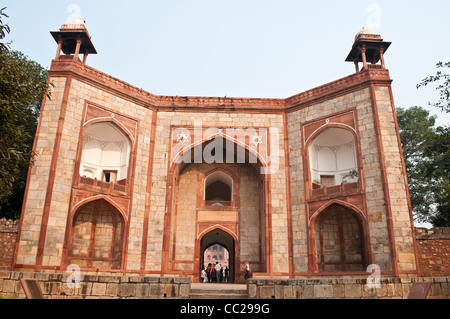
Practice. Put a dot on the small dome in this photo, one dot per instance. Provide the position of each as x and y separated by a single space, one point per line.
76 24
363 32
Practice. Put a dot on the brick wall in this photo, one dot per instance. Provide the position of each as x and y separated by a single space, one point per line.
8 234
434 251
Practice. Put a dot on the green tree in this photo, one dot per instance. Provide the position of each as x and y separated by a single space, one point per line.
425 150
4 29
23 84
438 170
438 149
444 86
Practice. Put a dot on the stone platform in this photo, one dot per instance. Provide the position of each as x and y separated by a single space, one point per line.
56 286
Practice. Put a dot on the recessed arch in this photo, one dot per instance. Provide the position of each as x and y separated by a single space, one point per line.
106 152
177 158
333 156
218 227
327 125
339 240
108 199
218 187
182 205
112 120
96 236
356 210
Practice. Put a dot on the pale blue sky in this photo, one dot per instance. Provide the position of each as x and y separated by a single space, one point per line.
244 48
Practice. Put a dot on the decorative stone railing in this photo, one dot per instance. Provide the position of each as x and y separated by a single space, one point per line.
103 186
332 190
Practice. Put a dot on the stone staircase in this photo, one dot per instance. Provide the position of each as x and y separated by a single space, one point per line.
218 291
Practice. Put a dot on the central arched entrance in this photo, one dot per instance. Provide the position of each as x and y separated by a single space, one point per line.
224 239
222 201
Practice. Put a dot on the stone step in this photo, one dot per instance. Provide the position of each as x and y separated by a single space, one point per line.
218 291
217 296
222 291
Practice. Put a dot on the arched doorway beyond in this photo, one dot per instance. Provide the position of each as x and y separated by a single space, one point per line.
224 239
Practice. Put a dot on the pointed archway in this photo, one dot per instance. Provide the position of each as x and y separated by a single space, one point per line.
96 236
190 214
339 240
224 239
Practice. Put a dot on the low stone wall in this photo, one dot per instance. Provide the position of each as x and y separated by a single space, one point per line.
54 286
390 288
434 251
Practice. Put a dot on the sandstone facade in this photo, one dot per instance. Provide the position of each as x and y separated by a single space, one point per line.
159 219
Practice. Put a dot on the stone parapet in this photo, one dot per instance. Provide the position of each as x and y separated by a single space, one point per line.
69 67
55 286
343 288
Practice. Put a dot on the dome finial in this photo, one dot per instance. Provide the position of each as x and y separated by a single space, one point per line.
364 31
76 23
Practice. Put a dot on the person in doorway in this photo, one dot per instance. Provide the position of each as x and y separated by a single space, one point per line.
227 271
213 274
217 267
208 272
221 274
248 270
204 276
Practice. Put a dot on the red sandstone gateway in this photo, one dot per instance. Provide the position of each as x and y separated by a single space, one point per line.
316 185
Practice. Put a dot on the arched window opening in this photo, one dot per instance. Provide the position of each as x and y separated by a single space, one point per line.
97 236
218 189
106 153
339 241
333 158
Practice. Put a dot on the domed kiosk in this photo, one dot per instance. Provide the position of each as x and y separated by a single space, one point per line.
73 38
368 47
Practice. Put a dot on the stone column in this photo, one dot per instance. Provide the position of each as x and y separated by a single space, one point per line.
77 49
363 52
382 57
356 66
58 51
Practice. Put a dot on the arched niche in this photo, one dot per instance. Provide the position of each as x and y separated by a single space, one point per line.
332 156
339 240
106 153
97 236
218 187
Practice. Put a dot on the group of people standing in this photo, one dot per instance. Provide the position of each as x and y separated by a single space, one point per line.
215 273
